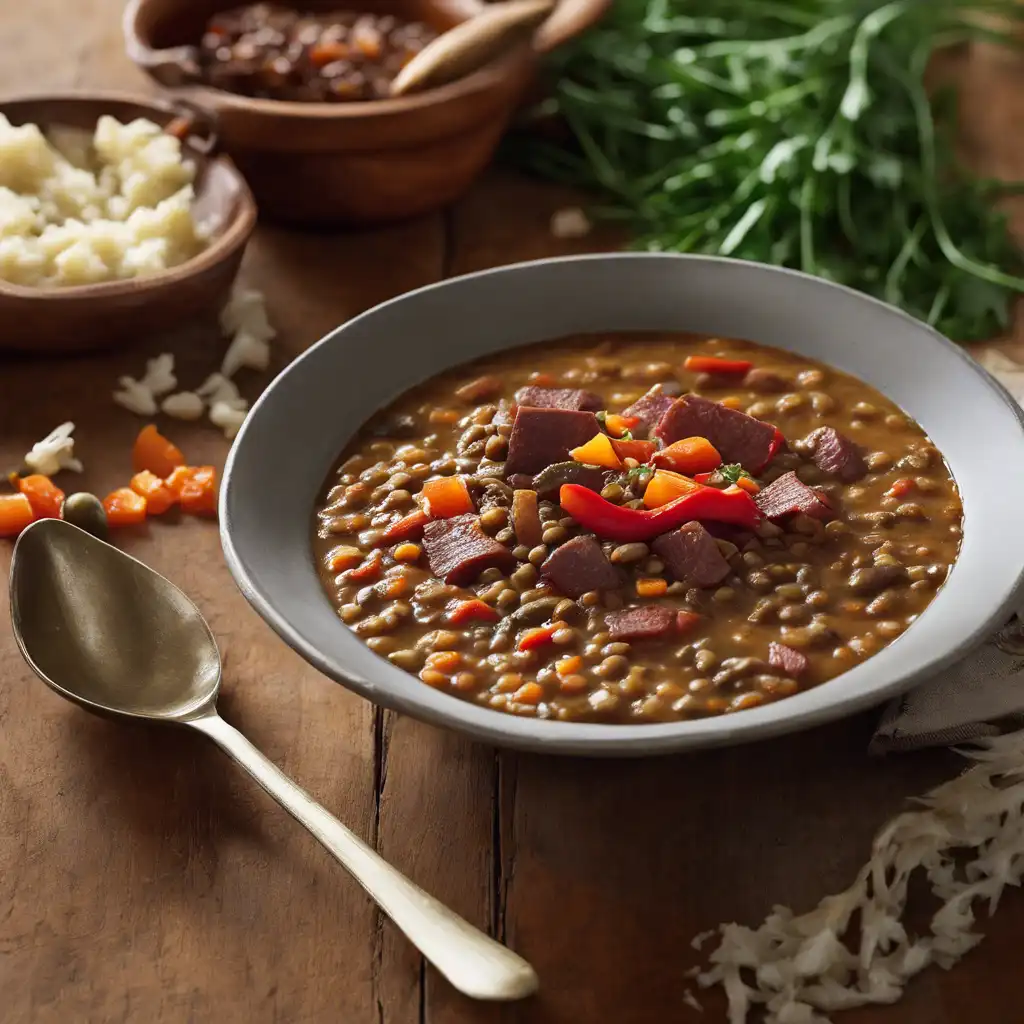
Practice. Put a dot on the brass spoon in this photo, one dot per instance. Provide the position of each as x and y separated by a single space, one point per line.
109 633
470 45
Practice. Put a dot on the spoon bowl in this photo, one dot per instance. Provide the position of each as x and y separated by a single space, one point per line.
108 633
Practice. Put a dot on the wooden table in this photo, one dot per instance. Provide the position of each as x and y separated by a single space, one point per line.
143 879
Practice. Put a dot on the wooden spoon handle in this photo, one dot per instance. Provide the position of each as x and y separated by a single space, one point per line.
568 20
472 961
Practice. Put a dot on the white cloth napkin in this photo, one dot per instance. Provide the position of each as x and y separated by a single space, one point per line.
983 695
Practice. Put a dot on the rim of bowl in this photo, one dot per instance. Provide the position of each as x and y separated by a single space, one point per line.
803 710
235 235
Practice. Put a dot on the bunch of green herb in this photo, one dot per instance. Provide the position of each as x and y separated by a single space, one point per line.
795 132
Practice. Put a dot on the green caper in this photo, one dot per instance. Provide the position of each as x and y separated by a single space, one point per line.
86 511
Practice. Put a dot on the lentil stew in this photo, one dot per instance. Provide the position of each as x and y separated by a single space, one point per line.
276 52
648 528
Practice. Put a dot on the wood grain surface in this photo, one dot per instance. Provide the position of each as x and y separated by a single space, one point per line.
143 879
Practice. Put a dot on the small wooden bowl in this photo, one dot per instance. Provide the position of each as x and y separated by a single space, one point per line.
361 162
80 318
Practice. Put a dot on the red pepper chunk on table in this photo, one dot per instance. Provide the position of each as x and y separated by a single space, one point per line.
623 525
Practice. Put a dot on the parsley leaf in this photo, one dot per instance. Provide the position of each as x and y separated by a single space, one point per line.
733 473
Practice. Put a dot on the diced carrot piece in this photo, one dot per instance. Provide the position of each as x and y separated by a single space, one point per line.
15 514
409 527
748 484
475 610
653 587
368 571
326 52
198 494
154 452
179 127
446 497
715 364
393 586
901 488
617 424
569 666
343 557
177 478
159 497
690 455
45 497
124 507
598 451
529 693
444 661
533 638
665 487
543 380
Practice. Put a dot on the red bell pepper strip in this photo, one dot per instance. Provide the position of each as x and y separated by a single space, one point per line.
703 478
901 488
639 450
714 364
532 638
623 525
409 527
778 442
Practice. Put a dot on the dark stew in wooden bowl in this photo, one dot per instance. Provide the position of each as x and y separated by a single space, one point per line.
636 528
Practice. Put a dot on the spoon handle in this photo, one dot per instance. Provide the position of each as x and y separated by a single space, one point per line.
472 961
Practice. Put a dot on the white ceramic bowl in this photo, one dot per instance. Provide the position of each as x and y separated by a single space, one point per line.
299 426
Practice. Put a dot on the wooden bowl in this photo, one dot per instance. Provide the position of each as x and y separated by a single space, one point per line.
360 162
79 318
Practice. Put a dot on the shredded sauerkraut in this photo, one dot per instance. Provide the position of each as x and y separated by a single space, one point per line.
854 948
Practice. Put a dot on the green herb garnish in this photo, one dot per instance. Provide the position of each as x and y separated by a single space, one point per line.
795 132
639 474
734 472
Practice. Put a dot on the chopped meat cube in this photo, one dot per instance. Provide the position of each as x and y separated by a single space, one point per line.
764 381
836 454
692 555
641 623
574 399
650 408
787 660
458 550
737 436
541 437
789 494
579 566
